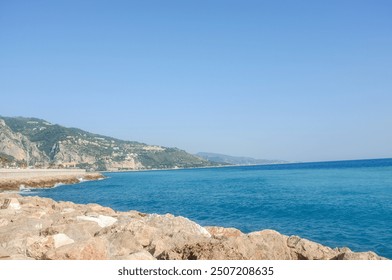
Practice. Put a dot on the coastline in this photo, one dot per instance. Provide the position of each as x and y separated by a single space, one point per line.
14 179
35 228
290 163
42 222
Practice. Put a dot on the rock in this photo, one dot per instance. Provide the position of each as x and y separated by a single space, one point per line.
203 250
3 222
6 204
218 232
163 234
61 239
101 220
92 249
347 254
123 243
143 255
67 210
37 246
268 245
308 250
4 254
11 203
18 257
40 228
76 230
142 232
171 224
101 210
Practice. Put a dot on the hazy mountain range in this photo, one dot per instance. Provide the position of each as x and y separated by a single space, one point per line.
236 160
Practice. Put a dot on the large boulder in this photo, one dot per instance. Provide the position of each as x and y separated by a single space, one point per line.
91 249
40 228
304 249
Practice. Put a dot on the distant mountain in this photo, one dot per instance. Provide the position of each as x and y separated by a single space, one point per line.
38 143
236 160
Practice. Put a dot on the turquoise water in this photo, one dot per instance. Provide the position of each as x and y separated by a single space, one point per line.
347 203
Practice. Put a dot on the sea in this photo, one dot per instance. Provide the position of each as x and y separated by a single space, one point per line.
338 204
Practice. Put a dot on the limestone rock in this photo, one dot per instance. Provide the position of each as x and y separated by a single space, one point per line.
143 255
100 209
61 239
123 243
41 228
101 220
3 222
4 254
171 224
269 245
11 203
92 249
347 254
223 232
37 246
309 250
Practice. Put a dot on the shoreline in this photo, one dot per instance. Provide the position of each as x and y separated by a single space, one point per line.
317 251
15 179
35 228
244 165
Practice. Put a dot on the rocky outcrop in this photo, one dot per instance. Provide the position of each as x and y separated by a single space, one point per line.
40 228
15 179
19 148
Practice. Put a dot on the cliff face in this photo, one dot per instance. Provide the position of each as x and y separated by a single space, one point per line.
40 228
35 142
15 147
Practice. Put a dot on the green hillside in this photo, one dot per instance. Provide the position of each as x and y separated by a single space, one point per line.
74 147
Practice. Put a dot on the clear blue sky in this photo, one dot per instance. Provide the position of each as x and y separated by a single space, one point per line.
294 80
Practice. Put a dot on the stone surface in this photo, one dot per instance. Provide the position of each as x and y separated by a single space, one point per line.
308 250
41 228
11 203
61 239
14 204
223 232
143 255
101 220
91 249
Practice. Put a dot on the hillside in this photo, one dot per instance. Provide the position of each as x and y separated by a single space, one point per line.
39 143
225 159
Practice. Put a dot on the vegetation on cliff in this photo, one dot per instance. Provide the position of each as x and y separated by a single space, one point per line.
38 143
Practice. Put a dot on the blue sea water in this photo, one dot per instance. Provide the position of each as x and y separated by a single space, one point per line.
345 203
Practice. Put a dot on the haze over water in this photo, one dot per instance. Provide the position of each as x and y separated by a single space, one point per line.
346 203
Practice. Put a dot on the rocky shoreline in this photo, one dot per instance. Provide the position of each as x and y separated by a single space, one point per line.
43 229
14 179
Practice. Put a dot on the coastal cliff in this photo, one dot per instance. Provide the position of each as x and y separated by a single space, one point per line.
43 229
32 142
